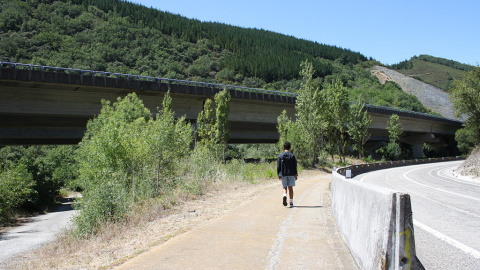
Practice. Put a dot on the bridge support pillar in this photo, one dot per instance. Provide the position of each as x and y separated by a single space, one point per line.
417 150
417 141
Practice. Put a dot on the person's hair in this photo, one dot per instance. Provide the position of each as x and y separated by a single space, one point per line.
287 145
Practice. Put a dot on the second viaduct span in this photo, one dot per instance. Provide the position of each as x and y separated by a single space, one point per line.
51 105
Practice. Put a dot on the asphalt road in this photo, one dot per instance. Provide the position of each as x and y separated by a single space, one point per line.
446 212
40 230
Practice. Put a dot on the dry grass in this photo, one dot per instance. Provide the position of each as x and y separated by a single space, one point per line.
150 225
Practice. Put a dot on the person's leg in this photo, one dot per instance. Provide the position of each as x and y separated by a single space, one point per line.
290 192
284 190
291 184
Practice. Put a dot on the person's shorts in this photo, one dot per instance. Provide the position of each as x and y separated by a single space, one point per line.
288 181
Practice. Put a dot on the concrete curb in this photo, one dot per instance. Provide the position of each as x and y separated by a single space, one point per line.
376 224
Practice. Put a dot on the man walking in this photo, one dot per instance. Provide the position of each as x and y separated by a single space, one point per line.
287 172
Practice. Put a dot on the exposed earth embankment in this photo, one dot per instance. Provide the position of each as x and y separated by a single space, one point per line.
431 97
471 166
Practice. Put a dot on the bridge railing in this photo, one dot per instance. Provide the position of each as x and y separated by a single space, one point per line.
84 72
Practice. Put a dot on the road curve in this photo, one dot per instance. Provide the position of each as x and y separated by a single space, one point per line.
445 209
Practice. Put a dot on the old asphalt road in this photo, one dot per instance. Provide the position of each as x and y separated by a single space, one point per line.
260 234
39 231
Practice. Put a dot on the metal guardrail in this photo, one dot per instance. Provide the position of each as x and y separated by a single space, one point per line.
368 107
363 168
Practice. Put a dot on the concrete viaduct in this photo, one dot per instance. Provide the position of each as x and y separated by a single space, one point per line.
51 105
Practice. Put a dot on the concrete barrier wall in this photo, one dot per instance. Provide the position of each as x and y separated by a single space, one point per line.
376 224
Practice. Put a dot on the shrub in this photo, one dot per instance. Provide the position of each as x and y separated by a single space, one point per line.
126 157
16 188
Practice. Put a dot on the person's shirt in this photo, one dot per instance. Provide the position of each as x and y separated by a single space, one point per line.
286 164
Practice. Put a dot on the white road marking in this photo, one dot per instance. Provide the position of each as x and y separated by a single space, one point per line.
404 175
449 178
400 188
455 179
451 241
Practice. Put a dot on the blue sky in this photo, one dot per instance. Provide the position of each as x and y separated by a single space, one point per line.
390 31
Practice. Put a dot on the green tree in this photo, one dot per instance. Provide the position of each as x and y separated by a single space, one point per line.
283 126
16 188
308 124
336 96
466 138
121 156
169 140
206 124
222 126
392 150
394 128
465 97
358 125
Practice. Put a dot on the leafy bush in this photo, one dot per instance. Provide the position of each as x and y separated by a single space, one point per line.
391 151
467 139
126 156
51 168
16 188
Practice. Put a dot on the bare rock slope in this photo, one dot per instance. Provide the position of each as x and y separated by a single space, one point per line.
471 166
432 97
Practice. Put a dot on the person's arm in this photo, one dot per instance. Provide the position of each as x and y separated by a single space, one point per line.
279 168
295 170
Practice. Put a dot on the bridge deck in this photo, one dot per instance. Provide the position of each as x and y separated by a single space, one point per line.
40 104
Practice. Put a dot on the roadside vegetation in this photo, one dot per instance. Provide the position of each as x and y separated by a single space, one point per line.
31 178
465 97
128 158
328 126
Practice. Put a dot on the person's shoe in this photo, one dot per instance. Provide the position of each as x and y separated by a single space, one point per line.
291 205
284 200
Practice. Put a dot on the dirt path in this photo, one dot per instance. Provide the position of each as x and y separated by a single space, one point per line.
260 234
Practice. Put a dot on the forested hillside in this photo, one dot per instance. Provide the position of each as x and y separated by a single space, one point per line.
117 36
436 71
